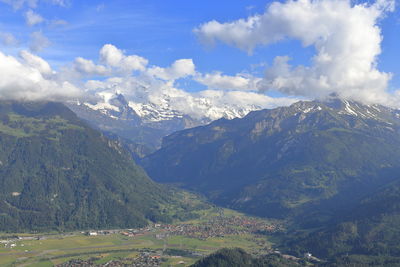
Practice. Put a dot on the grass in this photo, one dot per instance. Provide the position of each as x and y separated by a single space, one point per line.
21 126
60 248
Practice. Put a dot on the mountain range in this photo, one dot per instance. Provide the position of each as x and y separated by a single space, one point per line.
315 156
145 123
329 168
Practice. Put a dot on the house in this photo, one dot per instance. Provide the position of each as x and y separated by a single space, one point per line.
307 255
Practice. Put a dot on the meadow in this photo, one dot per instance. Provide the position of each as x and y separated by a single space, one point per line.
49 249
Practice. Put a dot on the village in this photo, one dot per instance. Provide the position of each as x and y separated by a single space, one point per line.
143 260
218 226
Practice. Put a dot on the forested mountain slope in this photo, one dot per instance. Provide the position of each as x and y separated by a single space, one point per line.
58 173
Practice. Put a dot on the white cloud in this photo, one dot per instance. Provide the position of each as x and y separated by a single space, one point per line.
156 86
217 80
33 18
8 39
114 57
179 69
31 78
346 37
38 42
87 67
208 104
36 62
25 80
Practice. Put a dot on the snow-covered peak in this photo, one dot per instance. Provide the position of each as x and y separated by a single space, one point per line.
174 105
150 112
113 105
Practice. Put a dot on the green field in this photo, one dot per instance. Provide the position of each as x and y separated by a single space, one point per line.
56 248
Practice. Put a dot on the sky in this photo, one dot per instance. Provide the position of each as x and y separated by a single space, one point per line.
228 52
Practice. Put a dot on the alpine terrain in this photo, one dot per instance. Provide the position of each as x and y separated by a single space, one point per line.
58 173
317 157
143 123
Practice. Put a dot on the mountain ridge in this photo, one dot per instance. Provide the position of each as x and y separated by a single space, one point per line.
275 162
146 123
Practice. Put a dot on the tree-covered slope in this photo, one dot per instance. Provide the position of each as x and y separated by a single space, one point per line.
312 159
57 173
371 229
236 257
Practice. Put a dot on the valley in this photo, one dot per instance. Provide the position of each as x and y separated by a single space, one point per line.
293 168
177 244
255 133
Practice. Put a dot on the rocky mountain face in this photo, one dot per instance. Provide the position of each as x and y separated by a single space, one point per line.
309 161
58 173
146 123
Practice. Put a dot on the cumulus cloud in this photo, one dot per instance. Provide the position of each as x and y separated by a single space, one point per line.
38 42
217 80
8 39
179 69
88 67
157 86
114 57
30 77
36 62
33 18
346 38
25 80
204 105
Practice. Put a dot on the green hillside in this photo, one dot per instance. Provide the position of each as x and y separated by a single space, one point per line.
370 229
57 173
237 257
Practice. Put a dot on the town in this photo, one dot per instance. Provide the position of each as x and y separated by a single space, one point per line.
216 226
163 243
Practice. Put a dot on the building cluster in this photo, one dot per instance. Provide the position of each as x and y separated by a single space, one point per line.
221 226
144 260
218 226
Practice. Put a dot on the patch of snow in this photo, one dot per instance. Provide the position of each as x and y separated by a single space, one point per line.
308 110
376 108
102 106
349 109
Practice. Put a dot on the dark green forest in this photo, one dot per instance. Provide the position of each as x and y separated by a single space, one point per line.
58 173
237 257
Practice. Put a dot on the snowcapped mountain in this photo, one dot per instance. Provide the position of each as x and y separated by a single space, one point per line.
275 162
147 121
350 108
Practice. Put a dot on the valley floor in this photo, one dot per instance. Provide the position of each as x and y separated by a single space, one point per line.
178 244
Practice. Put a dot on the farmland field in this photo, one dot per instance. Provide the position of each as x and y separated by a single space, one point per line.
181 243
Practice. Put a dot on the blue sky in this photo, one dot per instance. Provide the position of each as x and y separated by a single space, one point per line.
162 32
158 30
